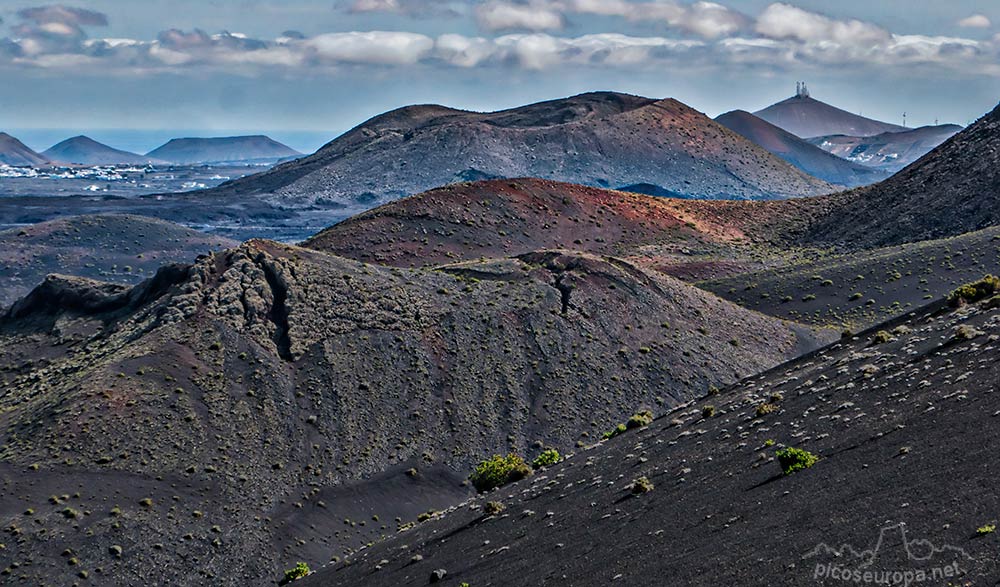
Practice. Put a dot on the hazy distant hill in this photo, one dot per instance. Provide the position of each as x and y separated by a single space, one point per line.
190 151
600 139
800 153
84 150
952 190
889 151
806 117
15 153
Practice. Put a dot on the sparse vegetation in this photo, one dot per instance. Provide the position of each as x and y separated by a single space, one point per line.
638 420
986 529
547 458
881 337
492 508
295 573
766 408
499 470
707 411
975 291
642 485
793 459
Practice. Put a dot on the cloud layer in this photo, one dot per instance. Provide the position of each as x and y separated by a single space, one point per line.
520 35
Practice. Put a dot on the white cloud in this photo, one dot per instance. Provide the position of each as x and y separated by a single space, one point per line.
783 37
464 51
976 21
373 47
784 21
707 19
495 16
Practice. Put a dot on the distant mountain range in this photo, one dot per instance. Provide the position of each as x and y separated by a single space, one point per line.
16 154
890 151
602 139
800 153
247 149
82 150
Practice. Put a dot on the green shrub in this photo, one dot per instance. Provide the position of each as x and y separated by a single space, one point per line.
548 457
975 291
766 408
882 337
642 485
619 429
707 412
987 529
499 470
492 508
639 420
795 459
297 572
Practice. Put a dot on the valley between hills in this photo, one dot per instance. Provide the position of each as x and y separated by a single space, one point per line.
704 361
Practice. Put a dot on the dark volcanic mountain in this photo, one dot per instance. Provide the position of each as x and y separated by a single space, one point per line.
890 151
117 248
86 151
16 154
952 190
713 506
272 404
250 149
807 117
805 155
600 139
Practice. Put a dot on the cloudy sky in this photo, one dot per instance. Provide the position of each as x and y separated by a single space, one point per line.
329 64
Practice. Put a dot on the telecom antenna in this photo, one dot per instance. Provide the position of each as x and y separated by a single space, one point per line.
904 120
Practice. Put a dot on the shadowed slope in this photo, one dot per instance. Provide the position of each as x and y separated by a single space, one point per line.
952 190
802 154
264 395
15 153
881 417
119 248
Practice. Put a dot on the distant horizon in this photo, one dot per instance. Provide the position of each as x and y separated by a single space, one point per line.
144 140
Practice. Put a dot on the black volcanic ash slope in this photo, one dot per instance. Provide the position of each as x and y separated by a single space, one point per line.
862 288
800 153
84 150
222 421
599 139
118 248
905 434
15 153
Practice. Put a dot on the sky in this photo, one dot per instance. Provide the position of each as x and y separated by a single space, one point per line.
324 66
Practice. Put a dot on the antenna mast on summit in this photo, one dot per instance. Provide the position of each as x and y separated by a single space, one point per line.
801 91
904 120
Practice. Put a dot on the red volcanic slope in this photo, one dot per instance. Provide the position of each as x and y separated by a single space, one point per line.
510 217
